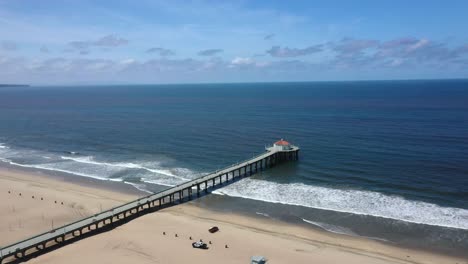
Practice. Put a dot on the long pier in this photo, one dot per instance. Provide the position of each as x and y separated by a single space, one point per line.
281 151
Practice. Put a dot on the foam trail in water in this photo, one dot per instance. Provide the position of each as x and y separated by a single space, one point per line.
43 167
128 165
263 214
331 228
88 166
349 201
140 187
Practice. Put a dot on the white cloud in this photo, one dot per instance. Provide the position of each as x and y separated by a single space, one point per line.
242 61
420 44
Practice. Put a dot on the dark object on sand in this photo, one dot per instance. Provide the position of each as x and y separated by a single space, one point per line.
199 245
258 260
213 229
164 233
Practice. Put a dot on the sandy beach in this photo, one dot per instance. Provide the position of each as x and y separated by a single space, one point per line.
33 203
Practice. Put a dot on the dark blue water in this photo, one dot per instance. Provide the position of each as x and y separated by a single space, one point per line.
390 150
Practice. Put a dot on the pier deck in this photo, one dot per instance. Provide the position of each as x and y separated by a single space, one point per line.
115 216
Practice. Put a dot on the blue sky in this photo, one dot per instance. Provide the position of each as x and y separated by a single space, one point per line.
75 42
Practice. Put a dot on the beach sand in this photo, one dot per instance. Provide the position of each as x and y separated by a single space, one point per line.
142 240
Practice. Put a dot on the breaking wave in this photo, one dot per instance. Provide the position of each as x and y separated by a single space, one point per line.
135 173
128 165
350 201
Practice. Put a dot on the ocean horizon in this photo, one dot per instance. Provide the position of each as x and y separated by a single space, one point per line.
379 159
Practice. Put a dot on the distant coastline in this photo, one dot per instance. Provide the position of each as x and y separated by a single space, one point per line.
13 85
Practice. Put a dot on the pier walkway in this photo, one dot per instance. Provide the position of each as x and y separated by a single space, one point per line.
281 151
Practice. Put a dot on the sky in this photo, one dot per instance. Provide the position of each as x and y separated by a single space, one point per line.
122 42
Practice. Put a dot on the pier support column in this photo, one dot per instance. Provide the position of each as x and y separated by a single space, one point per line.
198 190
206 187
19 254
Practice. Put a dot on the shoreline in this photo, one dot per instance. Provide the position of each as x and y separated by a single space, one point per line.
96 191
116 186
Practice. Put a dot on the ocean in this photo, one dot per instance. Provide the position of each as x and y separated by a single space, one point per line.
380 159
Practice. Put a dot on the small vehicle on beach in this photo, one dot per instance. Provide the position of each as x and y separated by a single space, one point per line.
199 245
213 229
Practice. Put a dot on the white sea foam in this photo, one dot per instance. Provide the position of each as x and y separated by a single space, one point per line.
2 146
128 165
331 228
44 167
218 192
140 187
88 166
263 214
350 201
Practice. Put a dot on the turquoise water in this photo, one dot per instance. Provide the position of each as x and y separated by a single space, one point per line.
388 152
